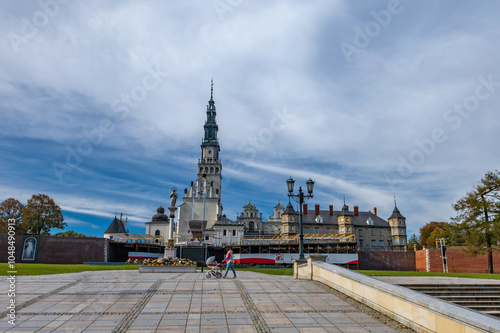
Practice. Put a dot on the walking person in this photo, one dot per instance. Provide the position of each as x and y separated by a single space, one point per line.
230 263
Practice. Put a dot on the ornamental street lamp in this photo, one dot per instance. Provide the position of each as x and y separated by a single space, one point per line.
300 198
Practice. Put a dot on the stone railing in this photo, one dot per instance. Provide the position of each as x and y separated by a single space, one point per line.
420 312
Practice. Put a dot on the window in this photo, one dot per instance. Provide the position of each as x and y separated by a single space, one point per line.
402 241
207 238
284 218
373 232
110 237
234 232
291 218
381 243
286 228
373 243
360 233
396 241
401 232
316 231
157 233
380 232
342 230
327 231
342 220
224 232
291 228
389 243
360 243
348 229
307 230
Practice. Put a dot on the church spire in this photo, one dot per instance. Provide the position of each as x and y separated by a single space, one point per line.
210 126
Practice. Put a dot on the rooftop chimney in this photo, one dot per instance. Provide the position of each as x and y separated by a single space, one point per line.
304 208
375 211
331 209
356 210
316 209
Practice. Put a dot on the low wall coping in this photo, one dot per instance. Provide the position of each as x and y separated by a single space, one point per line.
457 313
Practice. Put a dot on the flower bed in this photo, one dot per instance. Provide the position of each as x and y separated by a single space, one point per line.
165 265
169 261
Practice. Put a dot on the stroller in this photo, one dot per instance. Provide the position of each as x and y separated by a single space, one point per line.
215 268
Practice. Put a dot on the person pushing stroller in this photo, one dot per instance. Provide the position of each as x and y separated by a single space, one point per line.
230 263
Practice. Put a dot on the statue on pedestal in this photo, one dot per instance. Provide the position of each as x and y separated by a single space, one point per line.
173 197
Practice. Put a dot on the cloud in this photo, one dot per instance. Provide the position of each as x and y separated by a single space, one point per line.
350 124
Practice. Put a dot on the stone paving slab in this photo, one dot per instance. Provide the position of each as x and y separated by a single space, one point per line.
118 301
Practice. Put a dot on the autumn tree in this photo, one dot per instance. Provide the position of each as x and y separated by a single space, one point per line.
431 232
11 209
478 216
42 214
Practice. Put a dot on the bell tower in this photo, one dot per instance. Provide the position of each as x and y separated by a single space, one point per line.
210 164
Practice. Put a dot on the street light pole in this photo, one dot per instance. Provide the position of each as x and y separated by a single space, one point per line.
300 198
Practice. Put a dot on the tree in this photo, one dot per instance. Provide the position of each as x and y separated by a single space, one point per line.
431 232
69 233
11 209
41 214
478 216
414 241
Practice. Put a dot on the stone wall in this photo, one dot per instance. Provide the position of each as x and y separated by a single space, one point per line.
386 261
459 261
59 250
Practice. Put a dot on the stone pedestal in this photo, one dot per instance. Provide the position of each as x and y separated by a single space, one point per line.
296 264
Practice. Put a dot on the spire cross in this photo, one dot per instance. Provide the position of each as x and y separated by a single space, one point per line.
212 89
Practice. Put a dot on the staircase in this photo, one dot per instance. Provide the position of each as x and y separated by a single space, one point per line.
484 298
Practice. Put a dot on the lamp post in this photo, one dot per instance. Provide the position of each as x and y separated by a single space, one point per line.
300 198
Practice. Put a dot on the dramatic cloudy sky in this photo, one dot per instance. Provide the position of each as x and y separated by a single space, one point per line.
102 104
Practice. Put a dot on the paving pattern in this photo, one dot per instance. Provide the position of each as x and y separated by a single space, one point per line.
128 301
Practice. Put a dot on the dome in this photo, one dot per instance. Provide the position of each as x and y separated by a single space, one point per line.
160 215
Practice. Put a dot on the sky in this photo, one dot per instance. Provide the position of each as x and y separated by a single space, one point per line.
102 104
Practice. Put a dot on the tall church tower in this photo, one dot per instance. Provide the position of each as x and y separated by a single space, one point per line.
202 207
210 164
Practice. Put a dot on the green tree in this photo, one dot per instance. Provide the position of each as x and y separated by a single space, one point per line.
11 209
69 233
414 241
42 214
478 216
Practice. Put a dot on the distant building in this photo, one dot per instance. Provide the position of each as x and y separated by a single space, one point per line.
159 224
117 226
368 229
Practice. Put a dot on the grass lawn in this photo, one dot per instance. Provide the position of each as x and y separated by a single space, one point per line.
42 269
458 275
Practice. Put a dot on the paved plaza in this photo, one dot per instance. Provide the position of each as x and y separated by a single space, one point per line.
128 301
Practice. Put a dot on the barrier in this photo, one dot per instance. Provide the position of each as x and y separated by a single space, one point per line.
420 312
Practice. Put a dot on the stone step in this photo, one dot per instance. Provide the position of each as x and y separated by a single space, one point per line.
478 303
479 293
455 299
493 313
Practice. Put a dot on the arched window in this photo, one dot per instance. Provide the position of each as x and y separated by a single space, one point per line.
217 191
216 170
201 170
157 233
251 226
212 170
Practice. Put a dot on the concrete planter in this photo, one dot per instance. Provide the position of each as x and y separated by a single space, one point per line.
166 269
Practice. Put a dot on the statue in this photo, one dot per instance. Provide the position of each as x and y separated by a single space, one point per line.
173 197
